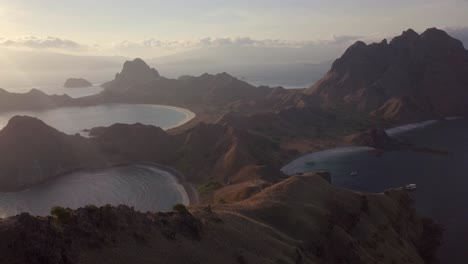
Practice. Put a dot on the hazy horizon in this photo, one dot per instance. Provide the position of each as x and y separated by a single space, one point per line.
272 43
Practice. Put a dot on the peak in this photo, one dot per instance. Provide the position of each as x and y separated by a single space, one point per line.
407 37
435 31
25 124
440 38
359 44
36 92
24 119
224 75
409 33
133 72
136 63
435 34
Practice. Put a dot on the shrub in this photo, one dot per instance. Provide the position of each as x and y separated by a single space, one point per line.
364 204
62 214
209 187
222 201
180 208
91 207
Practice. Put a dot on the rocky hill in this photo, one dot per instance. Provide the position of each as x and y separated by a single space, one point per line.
206 152
77 82
32 100
301 220
33 152
133 73
413 77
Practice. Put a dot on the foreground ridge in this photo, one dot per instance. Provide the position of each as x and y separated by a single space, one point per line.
303 219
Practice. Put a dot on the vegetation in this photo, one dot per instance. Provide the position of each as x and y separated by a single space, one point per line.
91 207
364 204
62 214
180 208
209 187
431 241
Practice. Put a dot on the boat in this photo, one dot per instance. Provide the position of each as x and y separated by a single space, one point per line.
354 173
410 187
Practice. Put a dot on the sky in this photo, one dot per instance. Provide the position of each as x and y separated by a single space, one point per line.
153 28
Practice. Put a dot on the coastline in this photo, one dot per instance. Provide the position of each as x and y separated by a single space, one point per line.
189 188
294 165
189 115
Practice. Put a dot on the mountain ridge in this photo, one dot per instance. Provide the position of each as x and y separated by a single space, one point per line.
430 70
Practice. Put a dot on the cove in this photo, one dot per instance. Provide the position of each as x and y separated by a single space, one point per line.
146 187
72 120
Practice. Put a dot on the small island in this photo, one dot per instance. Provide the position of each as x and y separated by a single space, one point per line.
77 82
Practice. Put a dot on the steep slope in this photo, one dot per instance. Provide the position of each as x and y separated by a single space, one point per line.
33 152
412 77
139 83
301 220
32 100
206 152
133 72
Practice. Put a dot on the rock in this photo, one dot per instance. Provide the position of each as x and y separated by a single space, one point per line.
376 138
133 73
33 152
77 82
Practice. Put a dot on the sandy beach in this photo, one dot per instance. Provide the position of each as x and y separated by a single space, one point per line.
189 115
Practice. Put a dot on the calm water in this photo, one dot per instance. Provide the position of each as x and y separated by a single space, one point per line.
442 180
144 187
73 120
60 90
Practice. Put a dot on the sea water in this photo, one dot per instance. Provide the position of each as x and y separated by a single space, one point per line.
147 188
441 178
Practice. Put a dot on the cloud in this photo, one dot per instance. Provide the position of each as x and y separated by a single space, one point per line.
33 42
232 41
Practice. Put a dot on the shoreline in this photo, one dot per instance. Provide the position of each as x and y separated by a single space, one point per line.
189 189
292 166
189 115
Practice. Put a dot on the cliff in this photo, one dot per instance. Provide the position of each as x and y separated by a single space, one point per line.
33 152
133 73
303 219
376 138
413 77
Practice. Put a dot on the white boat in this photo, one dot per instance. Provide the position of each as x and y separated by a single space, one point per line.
354 173
410 187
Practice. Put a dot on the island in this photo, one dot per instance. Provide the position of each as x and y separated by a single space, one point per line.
77 82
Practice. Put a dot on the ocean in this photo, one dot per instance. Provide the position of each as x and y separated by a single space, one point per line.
145 187
441 178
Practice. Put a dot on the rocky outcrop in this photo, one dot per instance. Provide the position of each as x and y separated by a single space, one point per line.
303 219
77 82
134 72
33 152
410 78
376 138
